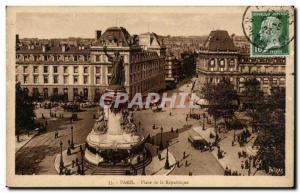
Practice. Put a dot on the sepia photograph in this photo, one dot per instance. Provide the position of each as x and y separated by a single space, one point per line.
150 96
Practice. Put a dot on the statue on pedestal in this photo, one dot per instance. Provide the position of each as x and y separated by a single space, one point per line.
117 68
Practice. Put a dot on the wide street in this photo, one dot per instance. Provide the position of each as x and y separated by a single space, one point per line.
38 155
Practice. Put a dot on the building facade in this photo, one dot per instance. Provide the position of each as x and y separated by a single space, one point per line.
220 58
84 70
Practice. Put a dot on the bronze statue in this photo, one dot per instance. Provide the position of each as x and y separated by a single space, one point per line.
117 68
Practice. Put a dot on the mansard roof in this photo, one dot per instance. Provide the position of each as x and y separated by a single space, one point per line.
219 40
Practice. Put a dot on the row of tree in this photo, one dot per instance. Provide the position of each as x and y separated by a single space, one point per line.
24 114
267 113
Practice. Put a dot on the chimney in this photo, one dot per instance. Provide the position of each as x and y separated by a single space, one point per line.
98 34
17 38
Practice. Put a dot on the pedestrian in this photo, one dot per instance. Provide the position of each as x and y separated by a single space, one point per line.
78 170
46 122
232 143
242 165
170 113
184 155
69 142
239 154
73 163
186 162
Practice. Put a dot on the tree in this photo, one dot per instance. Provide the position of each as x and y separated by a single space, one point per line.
24 118
222 99
254 100
271 139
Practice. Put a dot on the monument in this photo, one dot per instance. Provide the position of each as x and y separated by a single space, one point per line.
114 139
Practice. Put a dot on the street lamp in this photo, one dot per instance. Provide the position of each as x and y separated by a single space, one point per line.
72 140
167 164
61 164
144 156
82 159
161 146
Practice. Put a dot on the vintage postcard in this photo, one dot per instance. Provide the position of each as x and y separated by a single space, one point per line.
150 96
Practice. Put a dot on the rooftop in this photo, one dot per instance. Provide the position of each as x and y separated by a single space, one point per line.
219 40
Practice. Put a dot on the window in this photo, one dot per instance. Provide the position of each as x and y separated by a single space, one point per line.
86 58
85 79
45 79
222 63
108 79
55 69
109 69
25 69
66 79
56 58
35 79
97 58
97 70
75 69
55 79
45 58
35 69
65 69
55 91
231 62
35 58
212 62
75 79
25 79
76 58
85 69
45 92
97 79
45 69
75 91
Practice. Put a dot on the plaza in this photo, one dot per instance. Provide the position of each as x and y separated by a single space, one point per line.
42 153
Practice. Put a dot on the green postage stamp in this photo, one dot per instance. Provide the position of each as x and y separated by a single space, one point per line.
269 33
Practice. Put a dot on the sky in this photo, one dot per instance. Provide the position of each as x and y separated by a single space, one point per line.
60 24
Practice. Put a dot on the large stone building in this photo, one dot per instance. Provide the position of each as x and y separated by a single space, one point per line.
84 70
219 58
